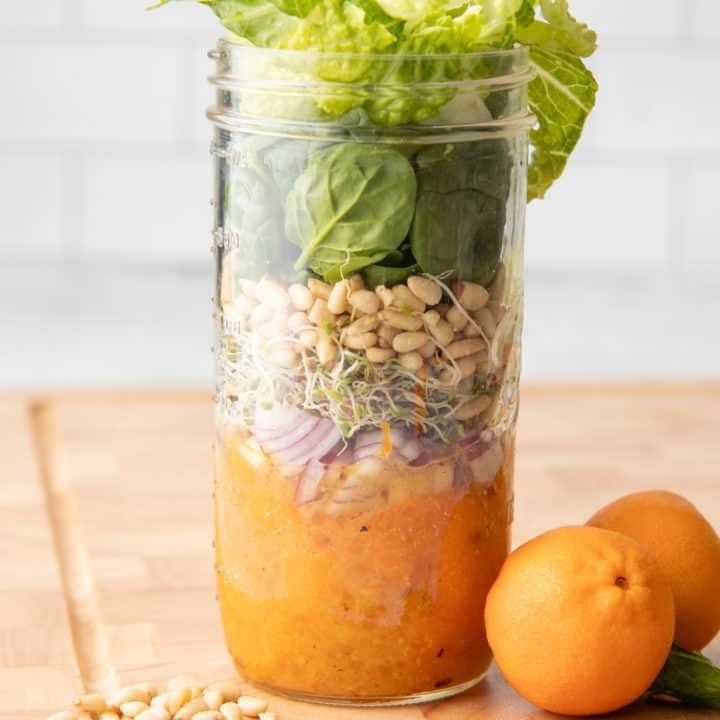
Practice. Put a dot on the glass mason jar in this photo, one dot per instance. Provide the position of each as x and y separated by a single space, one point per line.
369 244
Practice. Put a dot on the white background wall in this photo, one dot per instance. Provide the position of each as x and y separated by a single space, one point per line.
105 271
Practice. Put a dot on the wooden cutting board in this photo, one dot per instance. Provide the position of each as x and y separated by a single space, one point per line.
136 491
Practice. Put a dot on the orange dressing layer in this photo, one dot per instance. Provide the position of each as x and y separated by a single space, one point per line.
385 603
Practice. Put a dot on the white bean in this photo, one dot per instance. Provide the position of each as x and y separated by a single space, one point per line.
93 703
411 361
259 316
338 300
277 327
379 354
403 298
465 365
365 301
357 283
473 407
431 317
401 320
300 297
427 290
463 348
248 288
428 349
408 341
470 295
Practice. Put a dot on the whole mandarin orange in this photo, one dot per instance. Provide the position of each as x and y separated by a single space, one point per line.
580 620
688 550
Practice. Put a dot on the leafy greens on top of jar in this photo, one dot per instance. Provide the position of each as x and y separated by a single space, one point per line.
561 95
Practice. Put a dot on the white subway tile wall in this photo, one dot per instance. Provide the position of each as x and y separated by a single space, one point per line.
104 159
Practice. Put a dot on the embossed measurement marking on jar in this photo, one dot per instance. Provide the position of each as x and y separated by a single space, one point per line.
232 155
226 239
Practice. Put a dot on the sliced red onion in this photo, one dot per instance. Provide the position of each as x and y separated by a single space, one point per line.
411 450
477 450
469 439
422 459
321 440
276 422
302 429
309 483
485 467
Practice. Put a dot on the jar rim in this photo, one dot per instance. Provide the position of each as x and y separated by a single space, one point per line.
521 52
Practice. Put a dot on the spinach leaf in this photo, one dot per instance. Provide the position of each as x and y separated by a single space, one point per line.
260 176
461 208
350 208
388 275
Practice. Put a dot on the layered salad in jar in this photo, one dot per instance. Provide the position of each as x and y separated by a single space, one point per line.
371 177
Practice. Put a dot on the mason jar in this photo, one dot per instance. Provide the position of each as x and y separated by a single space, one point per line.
369 248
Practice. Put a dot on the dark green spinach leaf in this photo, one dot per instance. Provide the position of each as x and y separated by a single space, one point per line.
350 208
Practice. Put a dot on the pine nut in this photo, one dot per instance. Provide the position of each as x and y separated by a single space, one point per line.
109 715
408 341
385 294
214 698
456 318
129 694
470 295
65 715
411 361
308 338
474 407
357 283
481 361
196 691
230 689
442 331
486 321
93 703
338 300
367 323
188 711
259 316
161 702
471 330
251 706
466 366
271 293
327 350
248 288
319 289
427 290
401 320
360 342
284 358
231 711
379 355
153 714
428 349
209 715
148 687
431 317
133 709
300 297
403 297
320 313
177 698
266 716
277 327
463 348
365 301
297 321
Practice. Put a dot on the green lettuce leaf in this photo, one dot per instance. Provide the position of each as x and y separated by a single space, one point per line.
561 96
561 31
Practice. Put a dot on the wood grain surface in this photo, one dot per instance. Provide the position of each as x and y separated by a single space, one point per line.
137 469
